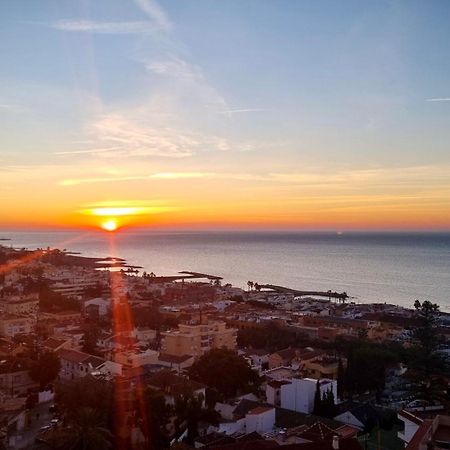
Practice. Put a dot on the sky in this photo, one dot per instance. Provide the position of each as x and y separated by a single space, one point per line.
277 114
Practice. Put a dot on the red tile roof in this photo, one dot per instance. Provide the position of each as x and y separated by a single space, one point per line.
411 417
260 409
420 435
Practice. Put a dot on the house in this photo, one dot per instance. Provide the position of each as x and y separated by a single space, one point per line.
270 444
258 357
9 348
144 334
13 324
74 335
429 433
172 385
283 357
260 419
357 415
178 363
14 376
213 439
101 305
136 358
247 416
76 364
53 344
12 420
292 357
321 367
273 391
298 395
280 373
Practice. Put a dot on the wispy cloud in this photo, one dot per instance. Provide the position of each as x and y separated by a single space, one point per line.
155 12
127 135
133 138
90 151
90 26
170 120
187 81
414 177
164 176
11 107
181 175
438 99
78 181
175 67
237 111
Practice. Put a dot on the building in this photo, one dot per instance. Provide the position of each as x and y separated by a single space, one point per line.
101 306
13 324
260 419
292 357
22 305
273 391
420 434
321 367
357 415
298 395
177 363
75 364
14 376
136 358
198 339
245 417
283 357
172 386
53 344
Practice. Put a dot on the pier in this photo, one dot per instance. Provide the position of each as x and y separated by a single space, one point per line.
184 275
341 297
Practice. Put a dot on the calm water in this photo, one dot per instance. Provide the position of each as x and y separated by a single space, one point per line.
394 268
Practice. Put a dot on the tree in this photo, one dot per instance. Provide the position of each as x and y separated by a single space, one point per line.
328 406
362 334
87 392
157 416
366 367
340 379
86 431
90 337
189 409
317 408
427 337
226 371
45 369
271 337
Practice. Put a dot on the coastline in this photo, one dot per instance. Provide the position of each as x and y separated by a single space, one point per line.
382 269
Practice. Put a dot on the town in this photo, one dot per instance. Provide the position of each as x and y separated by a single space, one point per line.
96 354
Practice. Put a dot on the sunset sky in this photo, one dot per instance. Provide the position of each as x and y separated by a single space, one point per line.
225 113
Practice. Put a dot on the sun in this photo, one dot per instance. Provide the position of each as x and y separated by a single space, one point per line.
109 225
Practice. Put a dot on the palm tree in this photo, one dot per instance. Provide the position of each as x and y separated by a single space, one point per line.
190 411
86 431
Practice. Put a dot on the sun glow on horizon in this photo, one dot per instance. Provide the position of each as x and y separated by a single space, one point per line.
110 225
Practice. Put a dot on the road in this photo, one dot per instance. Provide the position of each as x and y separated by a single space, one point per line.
39 417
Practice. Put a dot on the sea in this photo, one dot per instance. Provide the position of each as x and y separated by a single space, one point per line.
395 268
